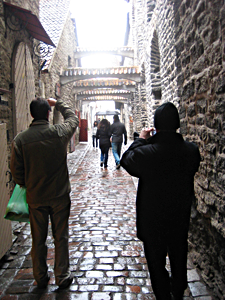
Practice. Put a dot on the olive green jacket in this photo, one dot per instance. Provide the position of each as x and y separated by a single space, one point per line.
39 157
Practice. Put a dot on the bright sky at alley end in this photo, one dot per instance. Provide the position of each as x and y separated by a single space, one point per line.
100 24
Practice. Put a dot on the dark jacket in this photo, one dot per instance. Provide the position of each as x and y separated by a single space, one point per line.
165 165
39 157
117 130
104 137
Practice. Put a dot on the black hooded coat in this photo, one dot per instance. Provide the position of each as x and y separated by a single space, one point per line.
165 165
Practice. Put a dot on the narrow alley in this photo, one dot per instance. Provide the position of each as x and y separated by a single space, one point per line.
106 258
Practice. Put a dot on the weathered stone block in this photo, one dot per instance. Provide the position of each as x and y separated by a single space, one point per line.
221 84
200 119
213 123
179 47
202 207
182 111
201 105
188 90
220 163
199 9
191 130
191 110
202 21
185 60
212 148
187 73
178 65
190 40
203 182
220 227
183 127
202 84
220 204
202 132
180 79
199 65
215 188
210 198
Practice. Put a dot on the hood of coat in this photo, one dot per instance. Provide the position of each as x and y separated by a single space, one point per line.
167 117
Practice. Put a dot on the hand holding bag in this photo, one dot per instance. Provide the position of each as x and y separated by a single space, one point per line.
17 208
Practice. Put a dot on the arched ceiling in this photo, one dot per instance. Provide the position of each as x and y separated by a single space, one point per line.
103 84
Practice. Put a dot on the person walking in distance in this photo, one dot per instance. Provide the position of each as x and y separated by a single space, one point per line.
39 163
165 165
117 130
103 134
94 138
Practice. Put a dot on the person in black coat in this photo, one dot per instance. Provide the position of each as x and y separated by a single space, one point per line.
103 134
117 130
165 165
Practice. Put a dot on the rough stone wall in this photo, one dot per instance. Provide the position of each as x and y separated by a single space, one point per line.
59 61
153 29
8 40
200 37
187 37
138 28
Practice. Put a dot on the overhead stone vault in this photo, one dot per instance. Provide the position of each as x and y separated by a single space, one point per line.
104 84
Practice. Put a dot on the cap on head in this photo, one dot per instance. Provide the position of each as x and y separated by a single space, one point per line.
166 117
116 118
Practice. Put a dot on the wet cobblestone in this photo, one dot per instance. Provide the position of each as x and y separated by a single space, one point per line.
106 258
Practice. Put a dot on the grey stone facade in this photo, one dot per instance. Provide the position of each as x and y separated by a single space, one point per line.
180 46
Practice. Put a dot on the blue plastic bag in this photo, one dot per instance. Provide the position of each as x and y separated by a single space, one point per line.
17 208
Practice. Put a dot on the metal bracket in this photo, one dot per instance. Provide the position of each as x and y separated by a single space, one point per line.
41 50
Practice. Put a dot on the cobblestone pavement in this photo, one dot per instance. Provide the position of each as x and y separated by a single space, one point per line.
107 260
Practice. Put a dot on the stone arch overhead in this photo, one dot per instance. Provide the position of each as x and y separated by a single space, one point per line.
131 75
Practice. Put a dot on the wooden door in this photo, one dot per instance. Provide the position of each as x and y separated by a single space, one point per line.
24 87
83 131
5 225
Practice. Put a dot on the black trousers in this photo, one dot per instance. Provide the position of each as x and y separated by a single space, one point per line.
94 141
171 241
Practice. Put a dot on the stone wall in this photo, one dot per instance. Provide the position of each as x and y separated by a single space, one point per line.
154 32
8 41
180 46
200 37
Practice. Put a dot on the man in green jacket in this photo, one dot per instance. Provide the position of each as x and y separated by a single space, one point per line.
39 162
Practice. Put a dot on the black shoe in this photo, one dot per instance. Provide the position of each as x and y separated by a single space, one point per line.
44 284
118 166
105 166
66 283
101 164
